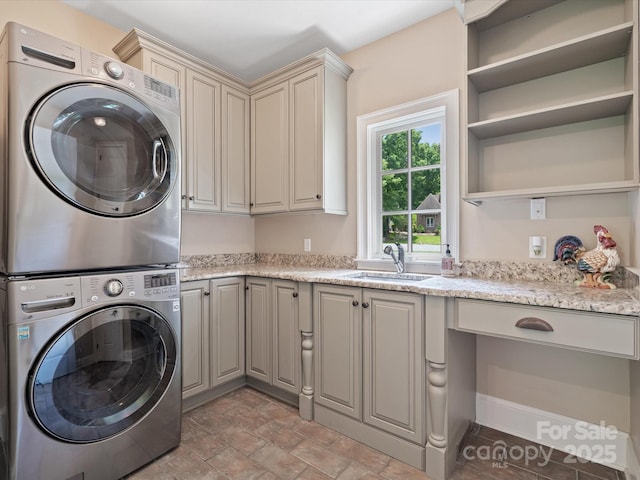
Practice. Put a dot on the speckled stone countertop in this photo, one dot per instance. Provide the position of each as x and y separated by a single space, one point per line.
560 295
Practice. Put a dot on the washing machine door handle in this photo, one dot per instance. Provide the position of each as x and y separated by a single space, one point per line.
158 145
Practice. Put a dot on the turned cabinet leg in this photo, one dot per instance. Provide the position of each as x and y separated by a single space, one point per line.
306 395
437 404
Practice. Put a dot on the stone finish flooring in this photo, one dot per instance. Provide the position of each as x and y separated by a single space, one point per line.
248 435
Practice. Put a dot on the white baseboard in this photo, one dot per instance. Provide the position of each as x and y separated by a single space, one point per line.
598 443
632 470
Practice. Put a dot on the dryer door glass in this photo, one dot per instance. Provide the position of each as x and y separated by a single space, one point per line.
103 374
102 150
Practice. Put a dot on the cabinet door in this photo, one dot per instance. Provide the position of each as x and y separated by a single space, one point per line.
286 335
173 73
337 333
195 334
203 143
235 150
227 329
394 363
306 119
258 341
270 150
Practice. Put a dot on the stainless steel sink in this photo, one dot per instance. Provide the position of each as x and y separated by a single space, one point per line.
390 277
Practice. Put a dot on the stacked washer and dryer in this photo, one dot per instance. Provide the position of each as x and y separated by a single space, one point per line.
90 370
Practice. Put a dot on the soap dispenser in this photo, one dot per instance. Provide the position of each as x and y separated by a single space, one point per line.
447 268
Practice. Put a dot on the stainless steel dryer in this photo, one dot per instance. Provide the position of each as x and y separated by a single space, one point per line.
94 384
91 163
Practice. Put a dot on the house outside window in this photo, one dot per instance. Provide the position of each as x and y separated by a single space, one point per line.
408 182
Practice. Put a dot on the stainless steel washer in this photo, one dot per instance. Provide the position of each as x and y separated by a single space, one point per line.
91 162
94 383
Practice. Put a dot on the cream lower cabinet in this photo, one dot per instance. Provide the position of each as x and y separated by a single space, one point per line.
370 365
273 337
213 333
195 334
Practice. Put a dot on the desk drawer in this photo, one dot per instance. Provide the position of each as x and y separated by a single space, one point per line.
603 333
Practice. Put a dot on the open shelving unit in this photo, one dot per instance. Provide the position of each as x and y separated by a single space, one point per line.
552 100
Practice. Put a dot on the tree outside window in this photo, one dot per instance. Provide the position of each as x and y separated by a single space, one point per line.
410 177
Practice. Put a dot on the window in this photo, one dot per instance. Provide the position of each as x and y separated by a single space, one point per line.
408 182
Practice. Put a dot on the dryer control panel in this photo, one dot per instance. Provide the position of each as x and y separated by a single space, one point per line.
32 47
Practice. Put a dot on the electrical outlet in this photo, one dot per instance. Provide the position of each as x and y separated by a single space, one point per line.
537 247
307 244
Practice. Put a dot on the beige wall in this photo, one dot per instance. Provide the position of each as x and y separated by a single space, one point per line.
580 385
203 233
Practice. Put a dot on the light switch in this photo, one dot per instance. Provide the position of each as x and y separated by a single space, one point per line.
538 209
307 244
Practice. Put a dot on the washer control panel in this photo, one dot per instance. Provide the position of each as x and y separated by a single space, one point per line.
156 285
34 298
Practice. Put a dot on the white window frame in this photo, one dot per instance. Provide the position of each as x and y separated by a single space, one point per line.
369 127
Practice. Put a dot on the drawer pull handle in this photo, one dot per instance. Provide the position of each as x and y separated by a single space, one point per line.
533 323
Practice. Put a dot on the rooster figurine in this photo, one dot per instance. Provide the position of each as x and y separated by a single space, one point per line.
595 265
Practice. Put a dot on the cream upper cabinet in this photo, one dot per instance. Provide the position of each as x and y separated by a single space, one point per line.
270 150
552 100
305 144
203 143
278 144
235 150
298 131
215 123
174 73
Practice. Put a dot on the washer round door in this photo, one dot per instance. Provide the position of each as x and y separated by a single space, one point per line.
102 374
101 149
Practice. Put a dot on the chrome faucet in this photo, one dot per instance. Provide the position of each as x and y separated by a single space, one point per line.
399 260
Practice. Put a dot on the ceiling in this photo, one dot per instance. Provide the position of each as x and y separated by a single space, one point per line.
250 38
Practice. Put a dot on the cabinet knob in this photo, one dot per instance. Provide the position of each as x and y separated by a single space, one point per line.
183 197
365 305
295 294
206 294
355 303
192 198
318 196
251 204
247 287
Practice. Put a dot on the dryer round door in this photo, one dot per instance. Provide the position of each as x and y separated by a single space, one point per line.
101 149
102 374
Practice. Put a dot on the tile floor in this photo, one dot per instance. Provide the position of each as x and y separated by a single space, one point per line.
247 435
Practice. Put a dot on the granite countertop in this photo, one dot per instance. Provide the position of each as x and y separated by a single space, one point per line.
546 294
